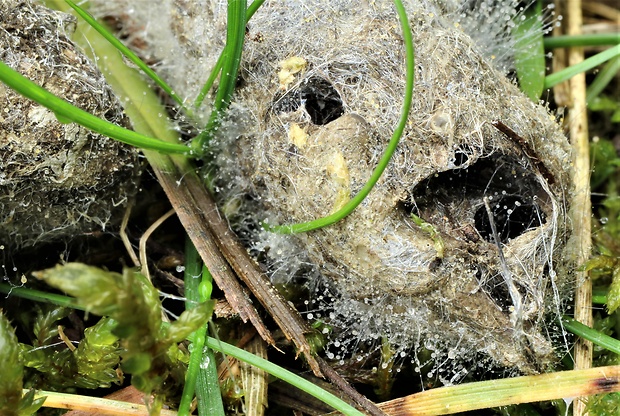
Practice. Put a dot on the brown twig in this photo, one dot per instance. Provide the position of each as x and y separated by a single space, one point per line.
359 399
283 312
220 249
193 220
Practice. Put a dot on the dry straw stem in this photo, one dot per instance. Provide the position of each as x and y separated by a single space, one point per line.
581 211
95 405
255 380
494 393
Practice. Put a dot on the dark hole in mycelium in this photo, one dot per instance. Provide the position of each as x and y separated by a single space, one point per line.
321 100
512 216
461 156
323 103
454 199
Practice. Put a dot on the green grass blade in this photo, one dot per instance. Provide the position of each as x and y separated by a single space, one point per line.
592 62
350 206
569 41
40 296
252 8
530 52
68 113
285 375
593 335
209 83
609 71
599 296
127 52
200 379
235 36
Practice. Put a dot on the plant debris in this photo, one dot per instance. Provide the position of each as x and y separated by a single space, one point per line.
56 179
297 150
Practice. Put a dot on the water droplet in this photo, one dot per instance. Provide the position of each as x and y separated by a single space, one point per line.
568 401
180 269
205 362
604 220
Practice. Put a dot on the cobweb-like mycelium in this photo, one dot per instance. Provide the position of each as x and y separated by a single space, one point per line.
417 265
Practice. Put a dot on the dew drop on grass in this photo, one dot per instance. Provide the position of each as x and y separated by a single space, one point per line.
180 268
568 401
205 362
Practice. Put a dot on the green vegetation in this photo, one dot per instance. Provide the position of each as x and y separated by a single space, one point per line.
132 333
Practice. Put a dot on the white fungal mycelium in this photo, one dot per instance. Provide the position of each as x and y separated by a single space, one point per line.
417 264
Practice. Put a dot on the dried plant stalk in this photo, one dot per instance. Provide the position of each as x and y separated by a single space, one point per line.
581 213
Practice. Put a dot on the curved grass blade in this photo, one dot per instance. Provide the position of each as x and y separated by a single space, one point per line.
592 62
252 8
128 53
350 206
68 113
530 52
285 375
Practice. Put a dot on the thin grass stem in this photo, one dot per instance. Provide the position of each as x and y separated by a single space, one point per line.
40 296
593 335
350 206
128 53
235 36
599 296
68 113
570 41
201 377
252 8
609 71
587 64
285 375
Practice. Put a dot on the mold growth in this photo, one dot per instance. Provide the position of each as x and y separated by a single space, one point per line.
437 281
296 151
56 179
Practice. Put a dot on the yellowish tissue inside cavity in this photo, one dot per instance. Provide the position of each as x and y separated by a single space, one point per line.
339 174
297 135
288 68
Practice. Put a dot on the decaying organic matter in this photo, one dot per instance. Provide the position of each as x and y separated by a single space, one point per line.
417 264
56 179
311 144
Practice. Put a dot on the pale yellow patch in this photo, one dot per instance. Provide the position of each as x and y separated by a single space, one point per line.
339 174
288 68
297 135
